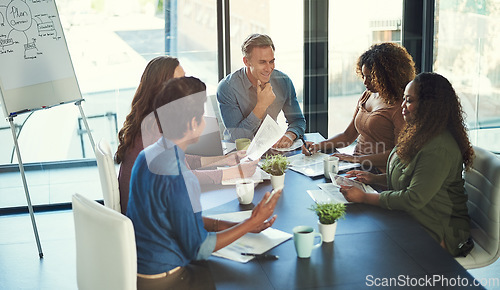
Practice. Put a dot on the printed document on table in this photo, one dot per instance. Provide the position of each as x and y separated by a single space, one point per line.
249 243
327 193
308 165
313 165
268 134
259 176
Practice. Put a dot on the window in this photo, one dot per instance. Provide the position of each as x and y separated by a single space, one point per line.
110 43
283 21
467 52
353 27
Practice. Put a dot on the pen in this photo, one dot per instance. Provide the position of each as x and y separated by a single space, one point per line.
261 256
307 148
272 193
239 166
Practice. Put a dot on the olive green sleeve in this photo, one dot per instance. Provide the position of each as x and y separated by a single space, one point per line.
425 174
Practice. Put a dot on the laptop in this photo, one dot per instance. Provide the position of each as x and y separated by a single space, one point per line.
210 143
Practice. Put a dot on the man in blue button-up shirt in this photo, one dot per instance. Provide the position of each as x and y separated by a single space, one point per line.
256 90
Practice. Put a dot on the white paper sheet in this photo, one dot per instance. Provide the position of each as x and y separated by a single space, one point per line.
296 145
249 243
313 165
268 134
259 176
322 196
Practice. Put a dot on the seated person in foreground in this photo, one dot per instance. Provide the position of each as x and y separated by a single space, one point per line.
424 172
246 96
164 205
132 141
386 69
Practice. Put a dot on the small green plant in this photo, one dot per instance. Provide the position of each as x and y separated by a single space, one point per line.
328 213
275 164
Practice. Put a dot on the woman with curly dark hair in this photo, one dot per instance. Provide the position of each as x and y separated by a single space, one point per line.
385 68
424 172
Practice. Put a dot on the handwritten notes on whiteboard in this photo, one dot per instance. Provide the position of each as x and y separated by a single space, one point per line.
32 45
36 71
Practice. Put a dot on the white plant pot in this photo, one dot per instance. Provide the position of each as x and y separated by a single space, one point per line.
327 231
278 181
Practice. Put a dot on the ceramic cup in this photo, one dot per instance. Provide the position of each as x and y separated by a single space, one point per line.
330 165
303 238
242 143
245 191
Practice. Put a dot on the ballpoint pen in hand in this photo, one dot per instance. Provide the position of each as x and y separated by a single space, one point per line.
305 146
261 256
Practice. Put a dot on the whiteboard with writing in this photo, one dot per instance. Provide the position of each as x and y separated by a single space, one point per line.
35 66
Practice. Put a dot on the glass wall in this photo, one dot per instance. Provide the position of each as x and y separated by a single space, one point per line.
283 21
350 34
467 52
110 43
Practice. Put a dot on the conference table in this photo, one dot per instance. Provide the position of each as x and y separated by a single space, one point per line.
372 247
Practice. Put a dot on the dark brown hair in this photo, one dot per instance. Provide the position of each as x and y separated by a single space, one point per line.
438 109
158 71
391 67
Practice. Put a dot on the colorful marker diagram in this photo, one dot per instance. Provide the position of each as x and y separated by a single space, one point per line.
23 23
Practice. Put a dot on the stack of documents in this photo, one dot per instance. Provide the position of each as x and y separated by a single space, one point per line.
249 243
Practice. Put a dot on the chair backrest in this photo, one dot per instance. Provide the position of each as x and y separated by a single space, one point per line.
214 107
106 256
482 185
107 175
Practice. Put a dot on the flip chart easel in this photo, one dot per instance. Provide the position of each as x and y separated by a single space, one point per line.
36 71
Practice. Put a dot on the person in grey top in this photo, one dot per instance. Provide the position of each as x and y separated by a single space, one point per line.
247 95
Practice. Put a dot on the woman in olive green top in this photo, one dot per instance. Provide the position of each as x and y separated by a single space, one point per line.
424 171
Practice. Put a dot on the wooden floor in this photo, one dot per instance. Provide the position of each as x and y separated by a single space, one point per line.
21 267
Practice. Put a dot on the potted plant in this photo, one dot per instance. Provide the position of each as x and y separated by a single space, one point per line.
275 165
328 214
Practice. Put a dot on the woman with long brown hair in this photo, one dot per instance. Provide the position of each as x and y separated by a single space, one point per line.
131 141
424 171
172 237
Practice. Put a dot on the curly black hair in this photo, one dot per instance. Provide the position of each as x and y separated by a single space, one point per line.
391 67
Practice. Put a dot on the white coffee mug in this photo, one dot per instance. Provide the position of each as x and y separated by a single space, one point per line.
245 191
330 165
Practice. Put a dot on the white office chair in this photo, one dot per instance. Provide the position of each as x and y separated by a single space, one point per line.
212 99
107 175
106 256
482 184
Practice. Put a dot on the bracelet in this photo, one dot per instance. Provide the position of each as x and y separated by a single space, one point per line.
288 136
